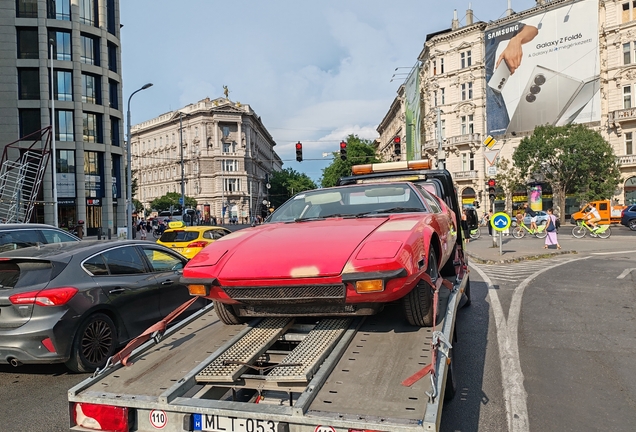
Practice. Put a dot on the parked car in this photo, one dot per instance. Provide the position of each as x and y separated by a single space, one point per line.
628 217
16 236
189 240
542 218
337 251
77 302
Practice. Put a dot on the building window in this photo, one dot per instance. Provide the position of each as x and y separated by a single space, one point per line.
229 165
467 91
434 67
88 12
466 59
92 174
28 43
113 94
112 57
29 83
232 185
64 126
435 98
226 131
442 96
65 161
629 149
114 132
89 50
29 121
441 65
27 9
62 47
627 97
442 130
467 124
627 14
63 85
111 24
627 51
92 127
91 89
59 9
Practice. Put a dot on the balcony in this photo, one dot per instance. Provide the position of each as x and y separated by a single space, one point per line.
626 161
465 175
622 115
464 139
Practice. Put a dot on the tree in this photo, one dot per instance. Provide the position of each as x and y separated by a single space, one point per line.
137 205
286 183
509 178
359 151
171 200
572 159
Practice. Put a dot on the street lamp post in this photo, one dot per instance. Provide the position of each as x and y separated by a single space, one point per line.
53 151
129 205
182 167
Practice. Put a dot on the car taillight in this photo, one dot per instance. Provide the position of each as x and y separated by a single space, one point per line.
197 244
101 417
47 297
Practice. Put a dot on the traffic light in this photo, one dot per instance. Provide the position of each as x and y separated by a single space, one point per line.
397 146
299 152
343 150
492 183
491 188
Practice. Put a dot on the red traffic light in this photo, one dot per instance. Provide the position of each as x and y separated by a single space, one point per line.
299 146
299 152
343 145
492 183
397 140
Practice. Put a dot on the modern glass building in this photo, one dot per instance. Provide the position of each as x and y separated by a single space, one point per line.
84 39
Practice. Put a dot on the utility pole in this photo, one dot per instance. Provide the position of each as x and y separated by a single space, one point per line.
441 156
53 150
182 167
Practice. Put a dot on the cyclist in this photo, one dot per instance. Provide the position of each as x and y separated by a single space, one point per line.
593 215
533 216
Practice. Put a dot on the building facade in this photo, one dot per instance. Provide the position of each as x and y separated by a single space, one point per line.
85 41
390 143
224 150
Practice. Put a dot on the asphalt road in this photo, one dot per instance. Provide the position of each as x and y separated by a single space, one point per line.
568 321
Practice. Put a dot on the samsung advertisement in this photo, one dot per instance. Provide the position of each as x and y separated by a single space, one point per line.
543 69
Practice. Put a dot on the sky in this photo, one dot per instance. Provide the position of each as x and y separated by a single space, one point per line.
314 71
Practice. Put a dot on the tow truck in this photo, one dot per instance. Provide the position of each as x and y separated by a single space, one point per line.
344 374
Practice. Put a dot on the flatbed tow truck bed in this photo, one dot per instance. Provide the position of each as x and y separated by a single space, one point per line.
322 375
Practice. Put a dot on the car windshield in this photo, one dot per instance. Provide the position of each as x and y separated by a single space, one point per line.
349 201
179 236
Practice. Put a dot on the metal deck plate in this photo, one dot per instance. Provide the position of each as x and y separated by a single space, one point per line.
310 353
245 350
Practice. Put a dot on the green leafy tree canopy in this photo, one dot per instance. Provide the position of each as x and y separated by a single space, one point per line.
164 203
359 151
286 183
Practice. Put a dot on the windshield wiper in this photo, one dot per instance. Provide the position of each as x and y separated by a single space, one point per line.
391 210
312 218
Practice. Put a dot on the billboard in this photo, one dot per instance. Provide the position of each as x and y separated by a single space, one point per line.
412 108
543 69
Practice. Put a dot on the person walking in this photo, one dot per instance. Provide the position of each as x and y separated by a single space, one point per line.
551 230
465 230
142 230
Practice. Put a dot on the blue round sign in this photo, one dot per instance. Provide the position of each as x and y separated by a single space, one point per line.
500 221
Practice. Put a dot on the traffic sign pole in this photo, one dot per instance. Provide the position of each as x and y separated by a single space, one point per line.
500 222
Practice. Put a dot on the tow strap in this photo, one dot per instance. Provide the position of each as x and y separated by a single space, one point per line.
155 331
437 340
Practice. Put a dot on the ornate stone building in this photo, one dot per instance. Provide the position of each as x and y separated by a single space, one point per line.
392 131
227 155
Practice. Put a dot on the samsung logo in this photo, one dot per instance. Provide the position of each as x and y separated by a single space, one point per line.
503 31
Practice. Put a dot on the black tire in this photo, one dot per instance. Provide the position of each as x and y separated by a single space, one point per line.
467 293
94 342
632 224
451 386
226 314
418 304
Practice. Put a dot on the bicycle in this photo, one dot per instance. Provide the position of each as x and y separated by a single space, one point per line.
581 229
475 233
520 231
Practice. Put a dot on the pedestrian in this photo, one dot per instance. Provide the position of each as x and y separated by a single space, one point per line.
488 217
142 230
551 238
465 230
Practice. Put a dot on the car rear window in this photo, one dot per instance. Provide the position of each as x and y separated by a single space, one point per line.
179 236
17 239
16 274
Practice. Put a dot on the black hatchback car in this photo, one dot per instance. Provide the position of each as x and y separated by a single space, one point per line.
77 302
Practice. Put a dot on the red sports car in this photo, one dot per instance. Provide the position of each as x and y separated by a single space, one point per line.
336 251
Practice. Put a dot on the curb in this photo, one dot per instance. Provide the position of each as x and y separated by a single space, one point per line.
479 260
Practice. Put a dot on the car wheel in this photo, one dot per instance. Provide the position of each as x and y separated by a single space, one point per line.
226 314
418 304
95 341
632 224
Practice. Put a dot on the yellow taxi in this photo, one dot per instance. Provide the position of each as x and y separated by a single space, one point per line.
189 240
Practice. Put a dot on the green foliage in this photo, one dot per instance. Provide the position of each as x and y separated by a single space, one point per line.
509 178
572 158
359 151
137 205
286 183
163 203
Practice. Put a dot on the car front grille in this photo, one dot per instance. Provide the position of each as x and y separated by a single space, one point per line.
288 294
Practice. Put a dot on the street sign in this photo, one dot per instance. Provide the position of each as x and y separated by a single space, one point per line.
181 200
492 171
500 221
489 142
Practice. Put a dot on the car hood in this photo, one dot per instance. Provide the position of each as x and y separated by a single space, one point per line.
285 250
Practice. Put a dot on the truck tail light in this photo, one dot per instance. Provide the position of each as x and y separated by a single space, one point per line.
200 244
101 417
46 297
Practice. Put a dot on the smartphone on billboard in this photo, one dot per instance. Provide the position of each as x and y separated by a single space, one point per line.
499 79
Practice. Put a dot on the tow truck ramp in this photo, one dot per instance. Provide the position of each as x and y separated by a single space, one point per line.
279 375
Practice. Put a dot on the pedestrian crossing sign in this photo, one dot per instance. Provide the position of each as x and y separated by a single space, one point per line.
489 142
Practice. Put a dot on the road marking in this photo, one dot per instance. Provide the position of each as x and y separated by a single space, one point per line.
625 273
514 392
612 253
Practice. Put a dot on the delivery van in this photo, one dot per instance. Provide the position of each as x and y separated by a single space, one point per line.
609 214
